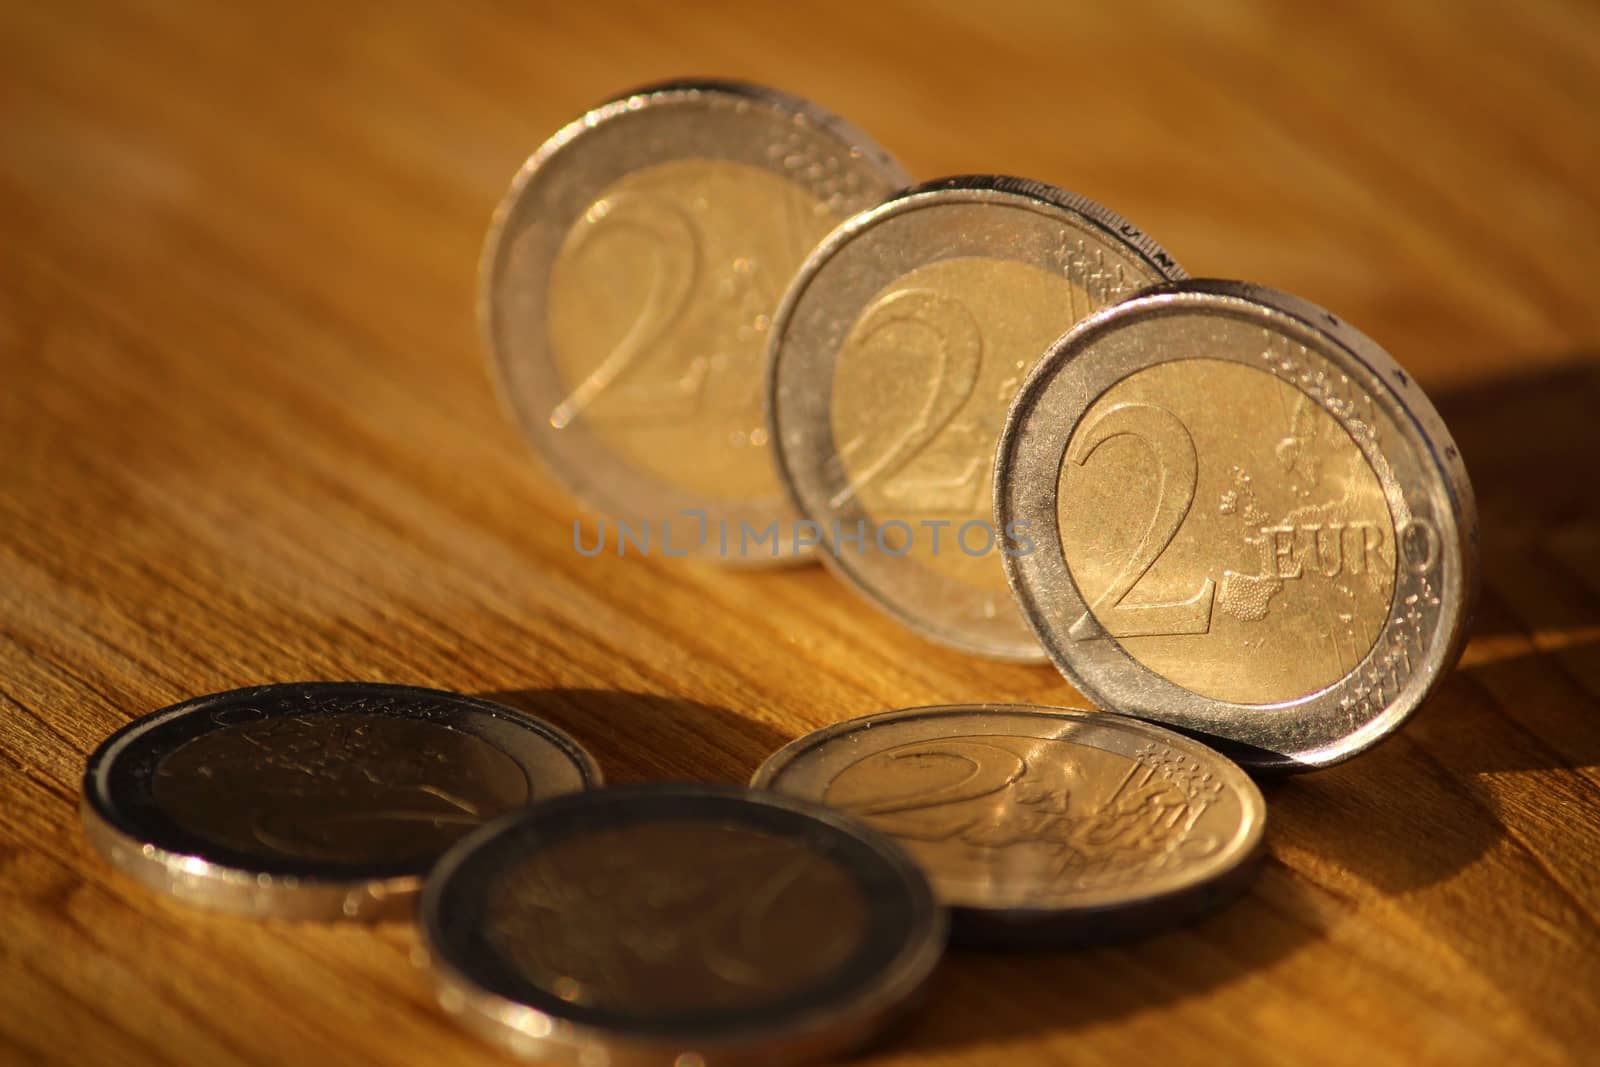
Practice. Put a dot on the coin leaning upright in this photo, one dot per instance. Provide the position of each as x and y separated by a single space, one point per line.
892 362
679 924
1040 825
628 284
1253 524
314 800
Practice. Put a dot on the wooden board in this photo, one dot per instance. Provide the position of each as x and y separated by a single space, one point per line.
246 435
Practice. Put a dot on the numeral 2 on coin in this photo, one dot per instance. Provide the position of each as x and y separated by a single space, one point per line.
674 260
960 352
1178 468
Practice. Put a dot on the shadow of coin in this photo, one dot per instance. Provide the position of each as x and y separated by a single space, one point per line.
1384 824
1522 713
984 997
1527 440
1473 807
1392 818
640 737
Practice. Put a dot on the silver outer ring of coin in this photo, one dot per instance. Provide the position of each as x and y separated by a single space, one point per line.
823 1031
529 386
801 450
196 880
1423 475
1111 917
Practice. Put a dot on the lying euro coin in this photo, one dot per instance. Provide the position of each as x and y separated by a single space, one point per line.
678 924
1040 826
317 800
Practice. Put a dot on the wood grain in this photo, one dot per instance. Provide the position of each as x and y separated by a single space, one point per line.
248 436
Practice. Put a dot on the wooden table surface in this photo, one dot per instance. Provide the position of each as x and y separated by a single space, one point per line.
248 436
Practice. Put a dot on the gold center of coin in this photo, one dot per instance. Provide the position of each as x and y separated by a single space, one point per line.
920 393
354 788
660 302
1001 820
1227 531
670 918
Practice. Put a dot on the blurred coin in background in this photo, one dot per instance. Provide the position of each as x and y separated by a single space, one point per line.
893 361
628 286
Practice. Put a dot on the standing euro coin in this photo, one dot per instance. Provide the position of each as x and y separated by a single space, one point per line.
894 358
1252 523
668 925
627 290
315 800
1040 825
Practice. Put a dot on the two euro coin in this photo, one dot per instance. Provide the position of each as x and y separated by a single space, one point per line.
315 800
893 360
1040 825
1255 524
628 286
679 924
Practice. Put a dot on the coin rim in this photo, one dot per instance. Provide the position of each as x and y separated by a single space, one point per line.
196 880
1069 923
491 255
1028 194
1223 723
821 1031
